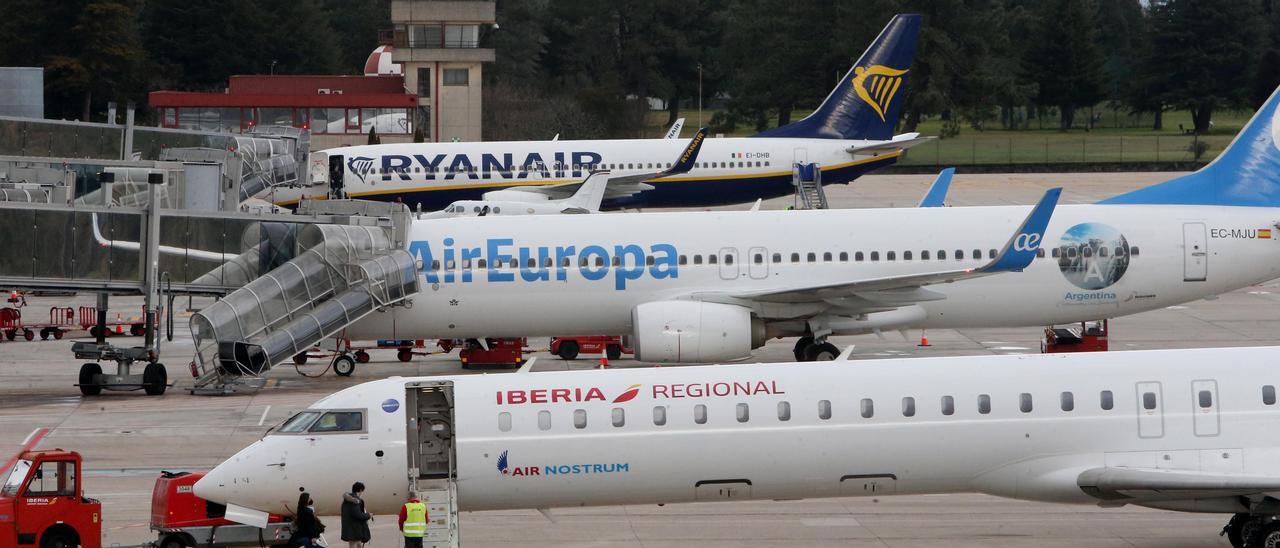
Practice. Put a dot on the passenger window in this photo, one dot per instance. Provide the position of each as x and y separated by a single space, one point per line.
942 254
977 253
844 256
889 256
758 258
700 414
544 420
1206 399
777 258
579 418
784 411
481 264
1039 253
875 255
795 257
697 259
435 265
1056 252
857 256
908 406
906 255
466 264
868 408
619 417
1107 400
659 416
1148 400
339 421
924 255
684 260
826 257
1269 395
728 259
984 404
648 261
1024 402
504 421
824 409
615 261
959 254
1068 401
1102 251
711 259
451 265
812 257
744 413
991 254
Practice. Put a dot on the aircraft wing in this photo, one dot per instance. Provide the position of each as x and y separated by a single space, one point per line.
899 142
621 186
1017 254
1120 485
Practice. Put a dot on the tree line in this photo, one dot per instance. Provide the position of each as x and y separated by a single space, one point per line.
585 68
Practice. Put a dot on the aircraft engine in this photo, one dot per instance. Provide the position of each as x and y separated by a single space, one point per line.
512 195
695 332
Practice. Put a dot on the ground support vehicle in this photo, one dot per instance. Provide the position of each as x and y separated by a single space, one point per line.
570 347
42 503
180 519
1088 337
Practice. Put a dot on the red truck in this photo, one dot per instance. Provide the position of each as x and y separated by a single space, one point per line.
42 505
569 347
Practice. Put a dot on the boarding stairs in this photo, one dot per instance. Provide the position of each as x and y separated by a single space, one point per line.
343 274
807 178
441 498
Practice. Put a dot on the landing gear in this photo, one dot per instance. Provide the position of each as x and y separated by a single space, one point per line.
801 344
1259 533
344 365
809 350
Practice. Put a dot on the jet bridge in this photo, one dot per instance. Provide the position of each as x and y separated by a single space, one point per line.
341 274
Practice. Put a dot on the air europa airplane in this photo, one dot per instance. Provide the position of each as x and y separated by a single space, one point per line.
1192 430
710 286
849 134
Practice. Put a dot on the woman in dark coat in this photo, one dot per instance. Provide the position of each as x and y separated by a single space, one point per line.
355 521
306 526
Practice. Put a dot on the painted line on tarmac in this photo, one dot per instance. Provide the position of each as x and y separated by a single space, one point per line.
263 418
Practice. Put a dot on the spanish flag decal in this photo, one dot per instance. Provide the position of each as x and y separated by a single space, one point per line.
1264 233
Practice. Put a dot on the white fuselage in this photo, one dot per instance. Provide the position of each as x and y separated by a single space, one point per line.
728 170
1172 254
1014 426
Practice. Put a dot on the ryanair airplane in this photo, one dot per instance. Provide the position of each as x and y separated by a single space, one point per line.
850 134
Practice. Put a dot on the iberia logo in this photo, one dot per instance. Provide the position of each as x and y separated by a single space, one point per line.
876 85
627 395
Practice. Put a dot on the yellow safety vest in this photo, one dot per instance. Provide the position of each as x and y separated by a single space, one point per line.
415 519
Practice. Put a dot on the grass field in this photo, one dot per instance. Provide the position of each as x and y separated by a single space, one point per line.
1117 137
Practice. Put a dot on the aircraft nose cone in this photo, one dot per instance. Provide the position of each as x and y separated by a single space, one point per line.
214 486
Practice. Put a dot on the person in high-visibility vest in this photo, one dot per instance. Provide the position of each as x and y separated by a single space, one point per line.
413 522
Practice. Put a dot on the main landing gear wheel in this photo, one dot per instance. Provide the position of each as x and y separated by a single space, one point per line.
155 379
344 365
362 356
1261 534
404 354
613 351
801 344
823 352
88 383
568 350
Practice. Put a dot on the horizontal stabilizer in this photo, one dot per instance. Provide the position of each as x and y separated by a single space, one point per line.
898 143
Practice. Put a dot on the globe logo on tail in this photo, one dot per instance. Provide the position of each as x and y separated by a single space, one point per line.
876 85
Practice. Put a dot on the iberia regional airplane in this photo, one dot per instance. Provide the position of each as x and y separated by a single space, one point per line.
849 134
1189 430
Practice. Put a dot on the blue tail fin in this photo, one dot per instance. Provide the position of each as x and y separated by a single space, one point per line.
1247 173
866 103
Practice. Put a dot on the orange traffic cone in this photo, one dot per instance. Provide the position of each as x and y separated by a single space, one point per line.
119 325
924 339
604 359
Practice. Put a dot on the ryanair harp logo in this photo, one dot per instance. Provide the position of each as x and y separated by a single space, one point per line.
876 85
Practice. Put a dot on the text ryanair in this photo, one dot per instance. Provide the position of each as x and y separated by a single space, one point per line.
494 260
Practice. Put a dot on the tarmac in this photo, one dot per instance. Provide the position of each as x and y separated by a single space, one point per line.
128 438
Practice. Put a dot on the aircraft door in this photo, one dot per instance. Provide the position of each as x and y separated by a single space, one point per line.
729 263
758 266
801 156
1196 258
429 411
1204 395
337 176
1150 406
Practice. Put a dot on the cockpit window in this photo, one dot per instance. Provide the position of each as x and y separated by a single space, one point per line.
16 475
299 423
339 421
